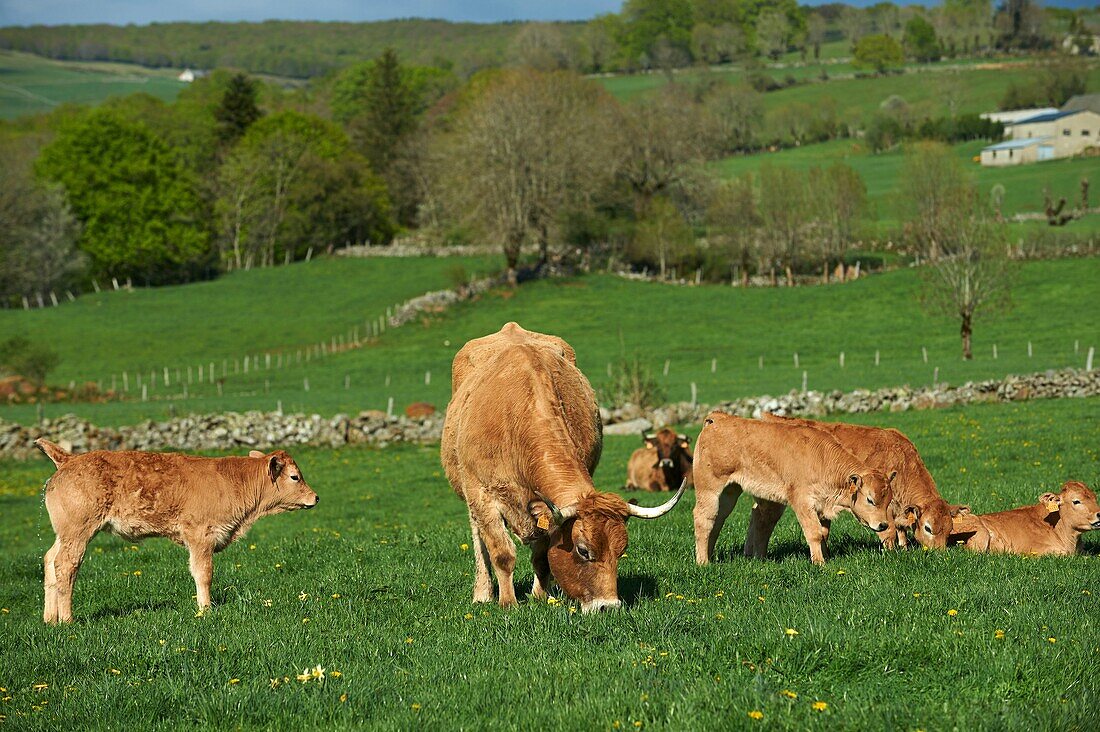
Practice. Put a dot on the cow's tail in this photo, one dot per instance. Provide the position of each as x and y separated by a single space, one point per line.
54 452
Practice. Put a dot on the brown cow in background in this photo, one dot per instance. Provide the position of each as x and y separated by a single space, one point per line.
521 440
201 503
916 505
1052 526
662 463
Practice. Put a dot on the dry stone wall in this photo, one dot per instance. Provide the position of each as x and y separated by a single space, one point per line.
260 430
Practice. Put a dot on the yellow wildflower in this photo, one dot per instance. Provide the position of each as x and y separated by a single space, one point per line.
1052 639
274 683
305 676
40 687
820 706
302 596
791 632
551 600
841 571
234 681
318 673
952 612
998 634
408 640
335 595
115 671
464 547
415 707
343 697
789 694
756 714
137 573
336 674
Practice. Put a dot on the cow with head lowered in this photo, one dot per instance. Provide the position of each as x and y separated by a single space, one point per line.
661 464
521 439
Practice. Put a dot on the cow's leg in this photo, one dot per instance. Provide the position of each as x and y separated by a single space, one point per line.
483 583
502 555
826 524
812 529
66 562
541 564
765 515
202 569
712 508
49 610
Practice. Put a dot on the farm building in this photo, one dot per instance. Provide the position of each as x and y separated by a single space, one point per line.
1047 136
1015 115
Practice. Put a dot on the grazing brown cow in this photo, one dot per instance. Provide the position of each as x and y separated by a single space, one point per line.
1052 526
663 462
916 505
521 439
781 464
200 503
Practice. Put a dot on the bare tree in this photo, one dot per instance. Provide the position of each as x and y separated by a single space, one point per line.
853 24
939 196
784 209
523 151
974 279
735 115
733 223
539 46
661 138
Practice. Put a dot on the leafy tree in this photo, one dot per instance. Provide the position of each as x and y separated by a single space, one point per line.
662 238
773 33
539 46
293 182
733 223
388 112
878 52
141 212
736 116
785 210
238 108
939 196
920 40
646 21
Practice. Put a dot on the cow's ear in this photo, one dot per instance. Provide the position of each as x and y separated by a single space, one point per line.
959 509
544 517
275 467
1051 501
911 516
890 478
854 482
255 454
650 442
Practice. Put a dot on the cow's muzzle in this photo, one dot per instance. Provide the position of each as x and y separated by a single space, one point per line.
592 606
1096 523
666 463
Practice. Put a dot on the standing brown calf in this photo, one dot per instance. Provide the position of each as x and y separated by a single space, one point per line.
1052 526
916 505
781 464
200 503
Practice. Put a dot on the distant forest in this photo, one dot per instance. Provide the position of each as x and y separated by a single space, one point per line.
280 48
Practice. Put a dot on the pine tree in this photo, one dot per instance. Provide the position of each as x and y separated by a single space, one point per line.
238 109
389 112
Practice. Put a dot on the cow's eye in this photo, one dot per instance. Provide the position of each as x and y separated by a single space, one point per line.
871 500
928 528
295 477
1075 501
582 552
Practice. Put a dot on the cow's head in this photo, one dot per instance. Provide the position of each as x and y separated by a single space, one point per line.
870 495
1076 504
673 454
289 490
586 540
932 523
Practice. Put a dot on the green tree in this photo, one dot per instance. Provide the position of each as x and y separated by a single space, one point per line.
238 108
650 20
388 112
22 357
920 40
139 205
878 52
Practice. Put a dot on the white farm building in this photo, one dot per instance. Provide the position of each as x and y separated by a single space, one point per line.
1048 135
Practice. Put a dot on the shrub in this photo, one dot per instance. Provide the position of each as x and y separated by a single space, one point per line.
632 382
19 356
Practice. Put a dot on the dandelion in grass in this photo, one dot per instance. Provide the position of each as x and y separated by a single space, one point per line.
789 694
305 676
638 724
40 687
1052 639
469 616
115 671
756 714
335 674
791 632
343 697
999 634
408 640
234 682
952 612
335 595
415 707
551 600
820 706
841 572
305 620
464 547
274 683
303 596
267 603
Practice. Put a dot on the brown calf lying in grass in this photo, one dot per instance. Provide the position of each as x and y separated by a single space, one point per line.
1052 526
203 504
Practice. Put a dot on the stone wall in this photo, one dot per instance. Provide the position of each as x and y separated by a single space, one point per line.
241 432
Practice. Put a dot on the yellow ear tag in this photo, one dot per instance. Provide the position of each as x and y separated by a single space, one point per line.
543 522
1052 506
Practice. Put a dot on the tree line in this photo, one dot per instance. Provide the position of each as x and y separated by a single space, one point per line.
645 34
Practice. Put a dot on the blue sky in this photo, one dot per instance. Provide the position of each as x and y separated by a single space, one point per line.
57 12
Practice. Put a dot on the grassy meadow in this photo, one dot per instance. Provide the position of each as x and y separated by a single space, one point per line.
694 329
374 586
32 84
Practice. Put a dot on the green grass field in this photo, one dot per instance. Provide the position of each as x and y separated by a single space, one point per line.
883 175
375 584
602 316
32 84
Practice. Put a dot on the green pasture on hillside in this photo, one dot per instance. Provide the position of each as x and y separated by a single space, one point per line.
883 174
604 317
374 586
31 84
